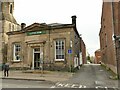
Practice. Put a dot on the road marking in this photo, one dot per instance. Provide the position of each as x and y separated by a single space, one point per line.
52 87
67 85
80 86
98 87
106 88
60 85
74 86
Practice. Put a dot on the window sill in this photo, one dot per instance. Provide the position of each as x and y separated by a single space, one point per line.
59 60
16 61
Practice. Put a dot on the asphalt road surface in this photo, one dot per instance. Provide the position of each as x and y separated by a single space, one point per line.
89 76
25 84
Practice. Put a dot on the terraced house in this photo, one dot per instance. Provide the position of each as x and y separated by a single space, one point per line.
49 46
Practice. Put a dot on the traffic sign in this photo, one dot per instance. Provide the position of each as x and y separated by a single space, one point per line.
69 51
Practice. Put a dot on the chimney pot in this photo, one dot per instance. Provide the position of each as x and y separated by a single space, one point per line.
74 19
23 25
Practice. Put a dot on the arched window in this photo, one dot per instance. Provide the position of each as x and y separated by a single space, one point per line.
11 8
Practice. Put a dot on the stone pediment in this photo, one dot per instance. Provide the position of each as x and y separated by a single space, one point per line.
36 27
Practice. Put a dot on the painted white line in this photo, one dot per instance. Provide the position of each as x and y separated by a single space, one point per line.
68 85
52 87
60 85
74 86
106 88
80 86
84 86
98 87
57 83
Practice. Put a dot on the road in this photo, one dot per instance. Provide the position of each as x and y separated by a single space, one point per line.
89 76
25 84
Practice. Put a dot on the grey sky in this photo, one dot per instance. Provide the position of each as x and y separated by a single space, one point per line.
88 14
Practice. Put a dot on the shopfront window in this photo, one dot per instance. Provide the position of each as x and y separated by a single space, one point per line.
17 50
59 50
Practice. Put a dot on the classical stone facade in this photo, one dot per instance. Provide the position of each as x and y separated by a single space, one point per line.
45 46
7 23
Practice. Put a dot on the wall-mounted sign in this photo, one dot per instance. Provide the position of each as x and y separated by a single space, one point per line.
69 51
36 33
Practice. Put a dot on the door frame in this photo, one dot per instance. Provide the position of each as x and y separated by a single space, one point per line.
33 67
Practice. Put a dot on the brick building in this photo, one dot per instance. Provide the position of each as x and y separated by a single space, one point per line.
48 46
83 52
109 46
7 23
97 57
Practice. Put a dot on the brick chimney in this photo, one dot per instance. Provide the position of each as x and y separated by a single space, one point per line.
74 20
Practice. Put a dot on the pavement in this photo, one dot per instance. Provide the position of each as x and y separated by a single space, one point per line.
37 75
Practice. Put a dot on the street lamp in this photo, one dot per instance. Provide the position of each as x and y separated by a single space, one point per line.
117 44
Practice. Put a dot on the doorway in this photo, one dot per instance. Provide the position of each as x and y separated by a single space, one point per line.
36 58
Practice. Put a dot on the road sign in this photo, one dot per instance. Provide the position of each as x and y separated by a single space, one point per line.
69 51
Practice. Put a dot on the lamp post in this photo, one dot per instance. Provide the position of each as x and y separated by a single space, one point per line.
117 44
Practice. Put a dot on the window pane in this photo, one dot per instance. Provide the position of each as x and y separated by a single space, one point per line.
59 47
62 43
56 47
57 57
57 52
36 49
62 56
56 42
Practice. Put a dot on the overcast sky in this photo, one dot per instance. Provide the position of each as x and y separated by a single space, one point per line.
88 14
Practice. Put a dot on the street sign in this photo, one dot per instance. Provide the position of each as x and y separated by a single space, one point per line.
69 51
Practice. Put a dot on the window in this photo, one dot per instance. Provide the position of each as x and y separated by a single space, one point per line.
59 50
11 8
17 50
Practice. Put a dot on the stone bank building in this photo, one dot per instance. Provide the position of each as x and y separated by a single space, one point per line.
49 46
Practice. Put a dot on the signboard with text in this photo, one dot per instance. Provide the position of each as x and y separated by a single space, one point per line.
36 33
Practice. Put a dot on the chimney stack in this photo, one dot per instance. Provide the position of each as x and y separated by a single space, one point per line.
74 20
23 25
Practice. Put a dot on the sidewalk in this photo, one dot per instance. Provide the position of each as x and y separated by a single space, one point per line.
53 76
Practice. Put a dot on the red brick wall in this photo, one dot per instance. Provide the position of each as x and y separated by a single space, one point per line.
97 57
107 43
83 49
